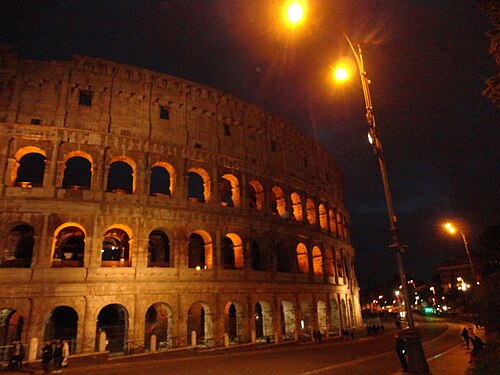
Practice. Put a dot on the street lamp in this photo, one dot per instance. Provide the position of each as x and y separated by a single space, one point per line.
417 362
452 230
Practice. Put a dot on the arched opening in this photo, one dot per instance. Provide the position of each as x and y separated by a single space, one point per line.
322 321
334 317
317 260
351 312
157 323
255 195
158 249
232 252
160 183
197 322
263 320
333 222
115 248
200 251
256 259
343 314
120 178
69 246
287 315
311 211
307 323
11 326
323 220
278 202
30 170
18 248
233 320
113 320
302 258
198 185
329 263
297 207
77 173
62 325
340 266
340 226
283 257
346 229
229 191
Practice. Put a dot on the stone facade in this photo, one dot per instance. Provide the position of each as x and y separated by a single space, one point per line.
137 203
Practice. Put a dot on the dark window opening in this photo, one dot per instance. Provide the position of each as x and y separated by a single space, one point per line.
18 247
69 248
274 145
196 189
226 193
227 130
164 113
120 178
256 263
77 174
228 254
85 98
115 249
36 121
196 252
31 170
160 181
197 145
158 249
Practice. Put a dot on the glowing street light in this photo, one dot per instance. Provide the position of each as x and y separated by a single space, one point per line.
452 230
417 361
295 11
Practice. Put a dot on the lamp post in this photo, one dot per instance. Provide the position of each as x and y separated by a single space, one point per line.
417 363
451 228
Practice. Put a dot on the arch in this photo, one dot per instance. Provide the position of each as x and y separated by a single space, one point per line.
11 326
200 321
62 324
311 211
340 263
77 172
68 245
158 322
256 256
287 318
121 175
323 220
200 254
350 311
278 202
29 167
255 195
308 323
199 189
115 250
340 226
234 320
333 221
158 249
113 320
343 314
18 247
334 317
302 258
329 268
317 261
297 207
232 252
283 257
322 317
162 179
263 319
229 191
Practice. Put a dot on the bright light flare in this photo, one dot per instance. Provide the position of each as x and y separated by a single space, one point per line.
341 74
295 11
450 228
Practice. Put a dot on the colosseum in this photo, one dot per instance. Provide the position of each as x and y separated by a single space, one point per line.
141 211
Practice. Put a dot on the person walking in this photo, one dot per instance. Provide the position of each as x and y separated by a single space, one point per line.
477 345
65 353
46 356
58 356
465 335
401 351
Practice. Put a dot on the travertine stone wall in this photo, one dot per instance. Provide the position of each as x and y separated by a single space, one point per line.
206 130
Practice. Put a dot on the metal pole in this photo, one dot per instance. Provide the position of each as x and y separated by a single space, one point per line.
466 244
417 363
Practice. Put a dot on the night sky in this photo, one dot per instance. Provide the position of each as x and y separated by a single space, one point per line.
427 59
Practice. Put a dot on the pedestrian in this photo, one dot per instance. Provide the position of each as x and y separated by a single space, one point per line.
320 337
465 335
16 355
58 355
352 334
401 351
477 345
46 356
65 353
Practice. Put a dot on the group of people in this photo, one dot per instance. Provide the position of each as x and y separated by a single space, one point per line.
16 355
56 351
471 338
374 330
345 334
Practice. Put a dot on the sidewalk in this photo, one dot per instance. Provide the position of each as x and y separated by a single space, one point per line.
454 361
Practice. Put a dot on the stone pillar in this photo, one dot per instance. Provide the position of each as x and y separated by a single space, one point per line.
152 346
226 339
193 338
32 349
102 341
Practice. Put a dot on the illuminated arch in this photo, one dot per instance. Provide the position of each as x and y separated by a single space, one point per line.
317 260
297 207
323 220
232 252
302 258
34 171
311 211
117 246
68 245
200 252
121 162
278 202
193 189
169 169
255 195
75 174
230 191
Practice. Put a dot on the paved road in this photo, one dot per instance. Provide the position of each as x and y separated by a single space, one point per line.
367 355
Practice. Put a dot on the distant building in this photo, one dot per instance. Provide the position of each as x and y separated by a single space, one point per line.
450 271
